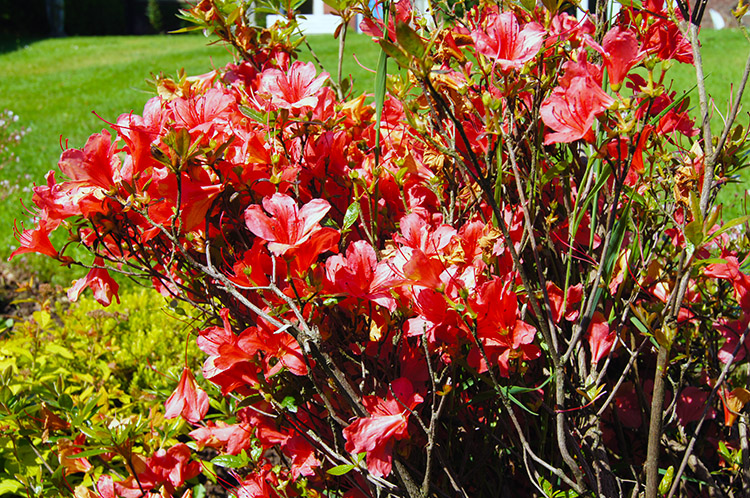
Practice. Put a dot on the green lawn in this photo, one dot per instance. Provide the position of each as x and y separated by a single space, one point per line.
54 85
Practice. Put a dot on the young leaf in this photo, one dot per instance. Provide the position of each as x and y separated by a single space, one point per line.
395 53
340 470
351 215
694 232
409 40
230 461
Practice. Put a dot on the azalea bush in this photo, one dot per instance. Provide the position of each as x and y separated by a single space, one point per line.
507 274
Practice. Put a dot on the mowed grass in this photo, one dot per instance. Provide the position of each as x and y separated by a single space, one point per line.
724 55
55 85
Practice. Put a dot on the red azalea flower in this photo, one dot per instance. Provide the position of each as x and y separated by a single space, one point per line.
294 90
621 51
572 301
503 40
35 239
359 275
201 114
388 422
600 338
288 226
101 283
498 328
664 39
187 400
170 468
94 166
280 347
571 109
227 365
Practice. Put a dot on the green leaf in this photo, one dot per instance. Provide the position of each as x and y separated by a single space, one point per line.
65 402
340 470
335 4
5 394
182 142
695 207
290 404
710 261
409 40
351 215
636 4
199 491
730 224
10 486
230 461
694 232
56 349
90 453
521 390
395 53
42 318
252 114
639 325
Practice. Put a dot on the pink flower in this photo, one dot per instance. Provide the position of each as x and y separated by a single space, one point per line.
294 90
288 226
504 41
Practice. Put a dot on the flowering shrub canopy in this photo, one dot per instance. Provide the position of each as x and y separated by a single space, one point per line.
513 281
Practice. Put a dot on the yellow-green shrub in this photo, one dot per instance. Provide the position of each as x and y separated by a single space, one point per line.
75 369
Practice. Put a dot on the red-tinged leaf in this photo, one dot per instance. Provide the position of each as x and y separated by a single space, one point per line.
409 40
600 338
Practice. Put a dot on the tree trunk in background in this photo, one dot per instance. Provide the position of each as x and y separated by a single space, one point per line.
56 17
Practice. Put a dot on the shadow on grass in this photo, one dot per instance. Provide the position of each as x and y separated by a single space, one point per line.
10 43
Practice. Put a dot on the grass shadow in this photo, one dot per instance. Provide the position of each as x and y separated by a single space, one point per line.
9 43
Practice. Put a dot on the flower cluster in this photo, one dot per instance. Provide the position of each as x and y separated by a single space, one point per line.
465 295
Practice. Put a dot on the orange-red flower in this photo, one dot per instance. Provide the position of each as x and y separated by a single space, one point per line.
388 422
188 400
